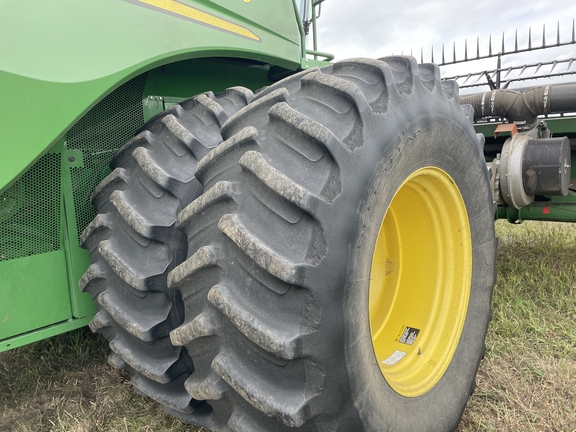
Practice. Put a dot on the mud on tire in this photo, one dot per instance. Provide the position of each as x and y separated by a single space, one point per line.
133 244
283 242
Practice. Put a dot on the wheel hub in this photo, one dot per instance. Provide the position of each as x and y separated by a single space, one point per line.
420 281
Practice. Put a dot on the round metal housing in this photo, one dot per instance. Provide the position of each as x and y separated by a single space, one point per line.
546 166
532 167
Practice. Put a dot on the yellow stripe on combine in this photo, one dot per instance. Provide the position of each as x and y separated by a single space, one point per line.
203 17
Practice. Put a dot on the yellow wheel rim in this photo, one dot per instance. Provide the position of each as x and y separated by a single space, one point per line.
420 281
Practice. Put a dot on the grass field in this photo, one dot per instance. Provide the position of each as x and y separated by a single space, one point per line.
527 382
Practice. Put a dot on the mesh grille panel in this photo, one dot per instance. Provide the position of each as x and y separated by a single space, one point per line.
30 211
102 131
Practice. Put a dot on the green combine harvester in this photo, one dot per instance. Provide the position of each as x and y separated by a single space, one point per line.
302 246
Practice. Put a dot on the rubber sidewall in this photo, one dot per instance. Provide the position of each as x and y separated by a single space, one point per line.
436 142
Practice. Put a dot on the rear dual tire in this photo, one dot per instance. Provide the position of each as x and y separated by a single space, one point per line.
284 312
133 245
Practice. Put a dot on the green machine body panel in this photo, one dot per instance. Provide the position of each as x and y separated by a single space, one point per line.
78 79
60 57
45 306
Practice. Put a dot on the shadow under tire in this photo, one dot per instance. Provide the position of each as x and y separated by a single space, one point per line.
341 259
133 244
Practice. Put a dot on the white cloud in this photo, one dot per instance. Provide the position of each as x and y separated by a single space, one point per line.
364 28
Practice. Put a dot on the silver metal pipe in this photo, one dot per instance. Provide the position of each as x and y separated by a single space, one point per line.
523 107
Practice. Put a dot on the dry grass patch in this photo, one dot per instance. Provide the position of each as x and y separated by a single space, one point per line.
527 382
64 384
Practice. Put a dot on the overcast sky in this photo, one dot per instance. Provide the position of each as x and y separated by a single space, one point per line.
373 28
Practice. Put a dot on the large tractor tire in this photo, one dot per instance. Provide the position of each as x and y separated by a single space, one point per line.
341 259
133 244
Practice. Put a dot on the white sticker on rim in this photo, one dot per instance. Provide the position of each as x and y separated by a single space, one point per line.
394 358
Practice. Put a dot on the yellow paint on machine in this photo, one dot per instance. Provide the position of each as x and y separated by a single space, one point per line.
202 17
